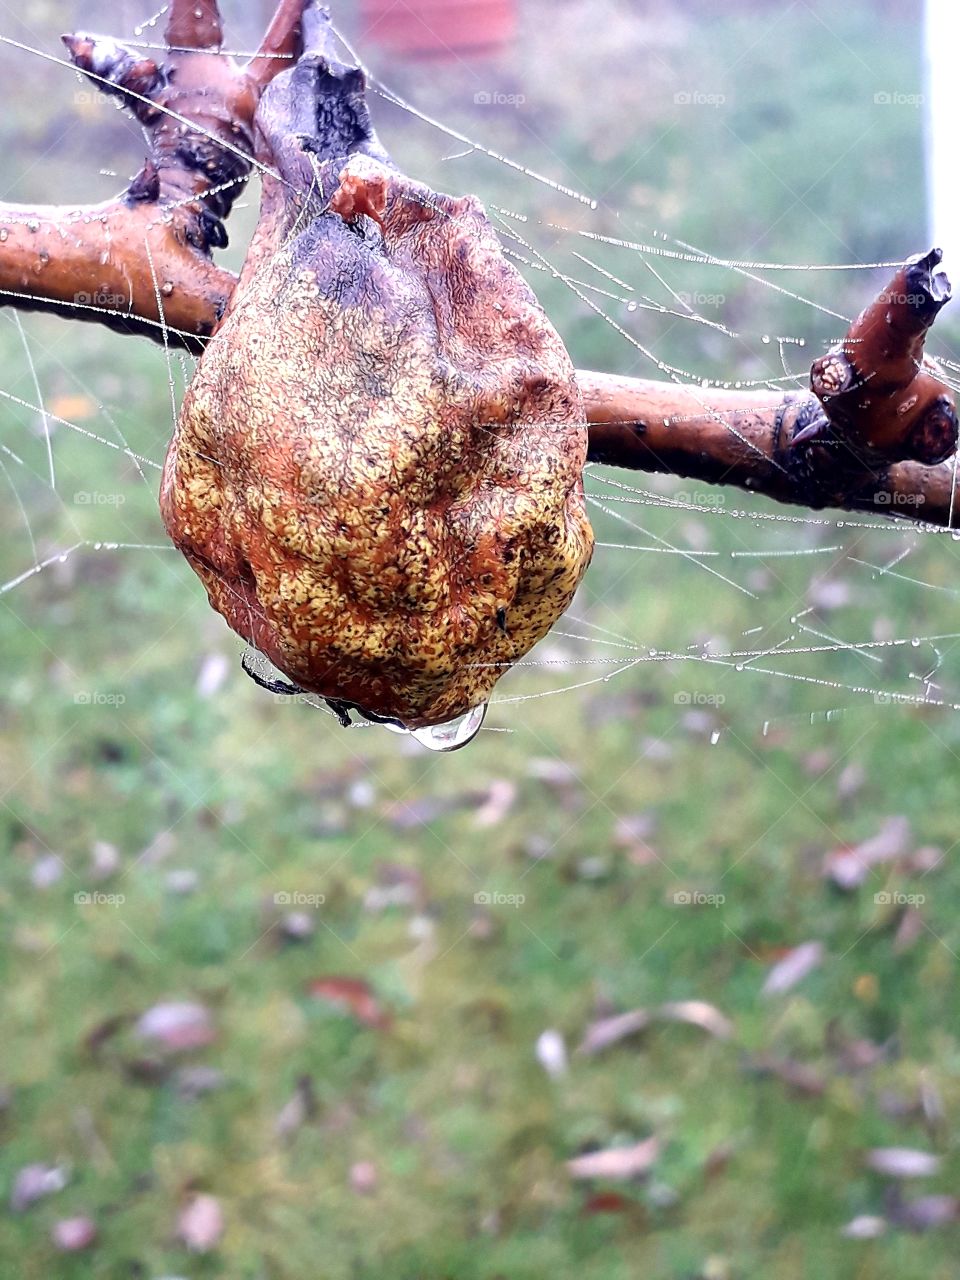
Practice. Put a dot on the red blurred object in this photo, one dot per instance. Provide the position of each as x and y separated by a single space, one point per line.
439 28
352 996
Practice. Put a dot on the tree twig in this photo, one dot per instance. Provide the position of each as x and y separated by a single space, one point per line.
197 108
877 432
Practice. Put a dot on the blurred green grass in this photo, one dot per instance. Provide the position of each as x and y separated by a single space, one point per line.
107 734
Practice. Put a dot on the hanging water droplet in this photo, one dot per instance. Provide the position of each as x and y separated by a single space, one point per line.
765 338
631 306
915 643
455 733
715 737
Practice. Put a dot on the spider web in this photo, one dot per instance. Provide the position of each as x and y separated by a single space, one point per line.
712 598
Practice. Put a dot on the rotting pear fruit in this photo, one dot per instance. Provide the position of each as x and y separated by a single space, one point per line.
377 472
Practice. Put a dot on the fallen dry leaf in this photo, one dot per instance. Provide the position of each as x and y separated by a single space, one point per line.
793 968
407 815
200 1224
617 1163
621 1026
932 1106
849 865
364 1177
909 931
496 805
193 1082
396 885
352 996
609 1031
34 1181
798 1076
634 829
104 860
297 926
926 1213
71 1235
46 871
902 1162
552 1053
608 1202
697 1013
925 859
865 1227
851 780
294 1114
177 1024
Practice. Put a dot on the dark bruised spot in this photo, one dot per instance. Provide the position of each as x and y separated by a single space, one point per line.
502 620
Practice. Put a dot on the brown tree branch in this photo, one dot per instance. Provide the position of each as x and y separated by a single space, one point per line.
869 437
142 263
874 434
194 24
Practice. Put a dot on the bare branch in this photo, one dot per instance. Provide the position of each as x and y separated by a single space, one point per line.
865 441
281 43
877 432
194 24
197 108
88 263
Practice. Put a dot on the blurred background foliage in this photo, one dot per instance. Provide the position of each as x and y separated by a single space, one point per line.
231 1078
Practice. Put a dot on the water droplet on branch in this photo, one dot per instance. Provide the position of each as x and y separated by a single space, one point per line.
455 733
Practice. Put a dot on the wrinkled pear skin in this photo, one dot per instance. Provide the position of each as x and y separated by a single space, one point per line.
377 472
